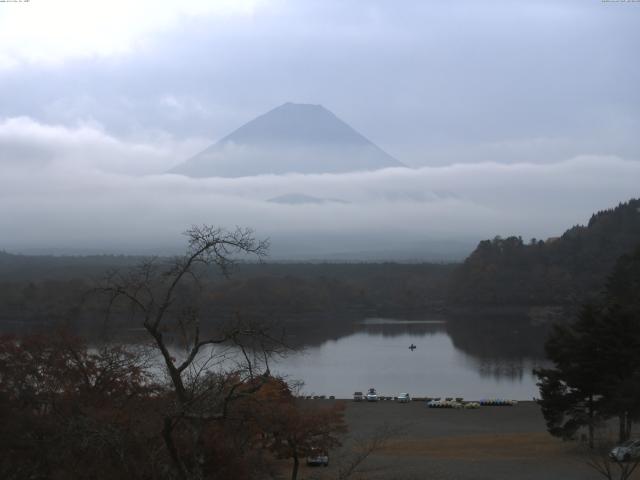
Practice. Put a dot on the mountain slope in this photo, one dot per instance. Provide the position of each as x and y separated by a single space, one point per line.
561 271
292 138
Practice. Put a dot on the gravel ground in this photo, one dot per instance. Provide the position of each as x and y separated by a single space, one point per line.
490 443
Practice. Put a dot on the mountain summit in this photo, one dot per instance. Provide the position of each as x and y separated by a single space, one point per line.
292 138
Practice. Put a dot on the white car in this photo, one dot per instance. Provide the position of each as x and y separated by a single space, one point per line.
318 458
372 396
404 398
626 451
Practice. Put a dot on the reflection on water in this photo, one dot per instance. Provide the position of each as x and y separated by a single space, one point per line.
508 370
451 359
403 327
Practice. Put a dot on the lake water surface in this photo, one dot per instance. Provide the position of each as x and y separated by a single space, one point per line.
474 358
376 354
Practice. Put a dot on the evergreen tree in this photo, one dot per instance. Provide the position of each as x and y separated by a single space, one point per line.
570 392
596 358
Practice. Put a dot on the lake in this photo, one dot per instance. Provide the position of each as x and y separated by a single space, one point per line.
465 361
474 357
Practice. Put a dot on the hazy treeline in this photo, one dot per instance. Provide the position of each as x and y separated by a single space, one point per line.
48 292
51 267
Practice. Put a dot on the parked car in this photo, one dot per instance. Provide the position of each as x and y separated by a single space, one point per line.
358 397
404 398
626 451
317 458
372 396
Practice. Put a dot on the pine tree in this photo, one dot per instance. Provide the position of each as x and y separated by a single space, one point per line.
596 358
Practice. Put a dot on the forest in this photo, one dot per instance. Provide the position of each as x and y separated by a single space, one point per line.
563 271
53 290
500 275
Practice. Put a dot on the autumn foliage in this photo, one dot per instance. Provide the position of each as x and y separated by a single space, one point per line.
68 411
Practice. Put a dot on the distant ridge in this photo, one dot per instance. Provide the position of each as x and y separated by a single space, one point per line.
292 138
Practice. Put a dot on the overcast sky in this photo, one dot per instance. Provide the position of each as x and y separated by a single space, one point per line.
540 99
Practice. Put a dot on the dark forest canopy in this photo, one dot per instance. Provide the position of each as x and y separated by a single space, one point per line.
53 267
36 291
503 272
556 271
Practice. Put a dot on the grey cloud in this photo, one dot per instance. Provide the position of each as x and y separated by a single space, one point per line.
430 82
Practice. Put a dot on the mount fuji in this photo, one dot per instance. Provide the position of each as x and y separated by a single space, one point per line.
292 138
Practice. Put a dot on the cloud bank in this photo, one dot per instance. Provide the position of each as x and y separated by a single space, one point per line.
64 190
27 145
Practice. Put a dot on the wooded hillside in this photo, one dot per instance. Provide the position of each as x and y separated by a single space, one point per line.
560 271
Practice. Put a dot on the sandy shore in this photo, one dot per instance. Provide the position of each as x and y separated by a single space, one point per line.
490 443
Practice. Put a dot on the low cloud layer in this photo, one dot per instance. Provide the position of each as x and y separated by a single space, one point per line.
64 190
26 144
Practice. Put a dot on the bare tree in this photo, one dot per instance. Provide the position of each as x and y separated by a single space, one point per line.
203 386
352 466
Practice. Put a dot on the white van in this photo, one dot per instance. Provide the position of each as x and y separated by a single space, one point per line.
372 396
